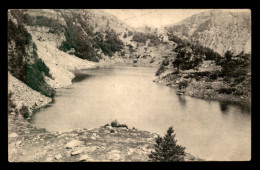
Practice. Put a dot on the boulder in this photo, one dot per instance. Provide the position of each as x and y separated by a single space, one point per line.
72 144
13 135
109 127
18 143
114 155
93 138
91 148
77 152
85 158
58 156
49 159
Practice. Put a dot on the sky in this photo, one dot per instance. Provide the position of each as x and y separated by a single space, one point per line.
155 17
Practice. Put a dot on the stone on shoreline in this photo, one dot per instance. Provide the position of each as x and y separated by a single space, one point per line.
72 144
77 152
49 159
58 156
85 158
13 135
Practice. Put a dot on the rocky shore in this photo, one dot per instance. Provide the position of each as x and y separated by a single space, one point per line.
106 143
205 90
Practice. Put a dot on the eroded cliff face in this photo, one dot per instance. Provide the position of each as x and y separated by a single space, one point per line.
218 30
35 64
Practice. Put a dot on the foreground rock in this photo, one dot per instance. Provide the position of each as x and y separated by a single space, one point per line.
29 144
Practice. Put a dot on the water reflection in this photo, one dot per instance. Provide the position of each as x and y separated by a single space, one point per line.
223 107
182 100
79 77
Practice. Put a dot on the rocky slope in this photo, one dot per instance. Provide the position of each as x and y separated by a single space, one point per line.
202 84
29 144
61 64
218 30
25 96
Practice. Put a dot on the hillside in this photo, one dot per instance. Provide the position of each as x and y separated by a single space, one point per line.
200 72
218 30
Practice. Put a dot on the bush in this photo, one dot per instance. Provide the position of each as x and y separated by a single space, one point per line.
183 85
213 76
24 111
226 90
227 79
106 125
166 149
160 70
11 104
35 80
116 124
238 93
239 79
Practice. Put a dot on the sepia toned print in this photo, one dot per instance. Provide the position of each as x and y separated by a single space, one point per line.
129 85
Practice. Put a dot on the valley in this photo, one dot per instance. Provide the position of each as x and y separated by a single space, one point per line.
93 56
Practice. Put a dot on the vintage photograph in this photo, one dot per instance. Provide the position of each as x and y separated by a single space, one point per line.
129 85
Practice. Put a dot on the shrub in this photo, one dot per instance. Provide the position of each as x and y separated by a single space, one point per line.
183 85
116 124
166 149
106 125
160 70
227 79
125 35
213 76
165 62
238 93
239 79
130 33
209 87
123 125
226 90
11 104
24 111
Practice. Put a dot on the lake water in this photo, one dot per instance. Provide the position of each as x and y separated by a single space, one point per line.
207 129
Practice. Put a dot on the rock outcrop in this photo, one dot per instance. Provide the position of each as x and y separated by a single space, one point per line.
29 144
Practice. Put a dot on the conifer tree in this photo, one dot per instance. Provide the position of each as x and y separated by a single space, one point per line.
166 148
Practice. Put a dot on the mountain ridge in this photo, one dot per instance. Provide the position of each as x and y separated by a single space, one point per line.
218 30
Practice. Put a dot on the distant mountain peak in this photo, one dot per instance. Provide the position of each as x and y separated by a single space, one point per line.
217 29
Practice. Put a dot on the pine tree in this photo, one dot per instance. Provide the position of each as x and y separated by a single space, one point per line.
166 149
